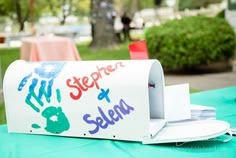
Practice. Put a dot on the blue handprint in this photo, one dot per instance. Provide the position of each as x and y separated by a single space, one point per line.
56 121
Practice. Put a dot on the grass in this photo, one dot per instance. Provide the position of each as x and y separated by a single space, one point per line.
8 55
118 53
2 114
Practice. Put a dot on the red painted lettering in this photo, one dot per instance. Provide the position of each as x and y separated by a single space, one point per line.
85 81
119 63
82 84
72 95
110 69
102 69
95 76
77 81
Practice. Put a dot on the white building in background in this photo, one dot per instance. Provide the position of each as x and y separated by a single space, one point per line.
230 13
157 16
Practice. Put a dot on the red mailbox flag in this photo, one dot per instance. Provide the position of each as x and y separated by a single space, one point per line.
138 50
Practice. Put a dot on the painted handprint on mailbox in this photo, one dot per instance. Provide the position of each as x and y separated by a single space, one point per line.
41 94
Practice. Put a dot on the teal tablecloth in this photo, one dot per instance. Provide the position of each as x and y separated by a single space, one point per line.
40 146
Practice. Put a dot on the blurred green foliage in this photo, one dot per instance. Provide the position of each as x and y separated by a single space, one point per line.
221 14
191 42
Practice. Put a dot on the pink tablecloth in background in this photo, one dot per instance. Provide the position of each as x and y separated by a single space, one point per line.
48 48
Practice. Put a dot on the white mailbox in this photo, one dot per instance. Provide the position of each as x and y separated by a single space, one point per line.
117 99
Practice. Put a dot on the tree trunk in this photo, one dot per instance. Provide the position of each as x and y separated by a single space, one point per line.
134 7
66 7
19 16
21 20
102 21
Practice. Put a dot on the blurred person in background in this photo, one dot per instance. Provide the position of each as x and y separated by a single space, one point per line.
125 20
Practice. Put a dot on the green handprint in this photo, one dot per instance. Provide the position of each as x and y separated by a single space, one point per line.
56 120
